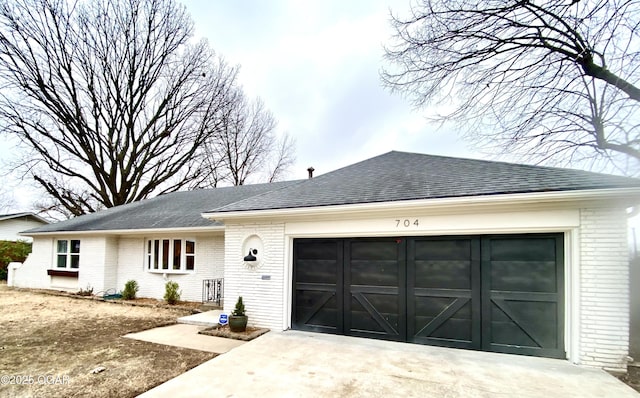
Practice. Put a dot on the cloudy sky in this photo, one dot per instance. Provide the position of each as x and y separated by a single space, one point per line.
316 65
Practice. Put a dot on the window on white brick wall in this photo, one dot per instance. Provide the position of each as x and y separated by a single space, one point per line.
68 254
171 255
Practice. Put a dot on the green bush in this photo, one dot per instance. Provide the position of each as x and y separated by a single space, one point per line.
171 293
10 252
130 290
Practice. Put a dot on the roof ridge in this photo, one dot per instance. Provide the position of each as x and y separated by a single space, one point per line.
504 162
284 186
397 175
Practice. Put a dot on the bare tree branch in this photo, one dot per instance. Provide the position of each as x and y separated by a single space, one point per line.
112 96
245 144
548 79
282 158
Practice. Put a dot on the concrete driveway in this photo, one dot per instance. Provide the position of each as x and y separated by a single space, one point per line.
299 364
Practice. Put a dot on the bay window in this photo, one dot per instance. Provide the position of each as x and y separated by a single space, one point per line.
171 255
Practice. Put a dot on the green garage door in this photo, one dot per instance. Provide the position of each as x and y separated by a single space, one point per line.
492 293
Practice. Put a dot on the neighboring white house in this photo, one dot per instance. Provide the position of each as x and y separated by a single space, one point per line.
12 224
408 247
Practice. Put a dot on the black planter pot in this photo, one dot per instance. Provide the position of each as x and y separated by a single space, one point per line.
238 323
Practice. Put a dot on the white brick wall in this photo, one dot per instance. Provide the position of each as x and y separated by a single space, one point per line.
91 273
264 299
131 256
107 263
33 272
604 290
110 264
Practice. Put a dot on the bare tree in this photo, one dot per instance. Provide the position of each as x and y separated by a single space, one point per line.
7 201
552 79
245 144
112 97
281 158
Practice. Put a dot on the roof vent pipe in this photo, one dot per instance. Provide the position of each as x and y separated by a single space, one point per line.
310 170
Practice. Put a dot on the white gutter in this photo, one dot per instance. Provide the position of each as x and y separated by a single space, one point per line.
631 196
145 231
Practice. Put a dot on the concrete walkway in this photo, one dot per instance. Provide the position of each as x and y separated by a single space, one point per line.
186 336
298 364
208 318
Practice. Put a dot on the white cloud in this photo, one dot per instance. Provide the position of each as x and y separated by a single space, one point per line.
316 65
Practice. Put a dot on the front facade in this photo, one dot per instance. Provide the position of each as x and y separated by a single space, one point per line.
535 272
571 304
105 263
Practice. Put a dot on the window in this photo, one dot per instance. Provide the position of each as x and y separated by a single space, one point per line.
68 254
171 255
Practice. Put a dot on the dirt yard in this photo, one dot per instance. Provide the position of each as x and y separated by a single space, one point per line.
49 345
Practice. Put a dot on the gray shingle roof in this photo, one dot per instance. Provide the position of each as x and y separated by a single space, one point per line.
393 176
396 176
173 210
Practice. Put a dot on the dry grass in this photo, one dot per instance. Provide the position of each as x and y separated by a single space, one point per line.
632 378
67 338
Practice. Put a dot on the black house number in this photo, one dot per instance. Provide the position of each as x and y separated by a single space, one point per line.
406 223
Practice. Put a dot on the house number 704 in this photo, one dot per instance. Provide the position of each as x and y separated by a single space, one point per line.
406 223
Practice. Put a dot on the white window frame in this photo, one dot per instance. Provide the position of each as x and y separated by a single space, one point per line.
68 253
158 260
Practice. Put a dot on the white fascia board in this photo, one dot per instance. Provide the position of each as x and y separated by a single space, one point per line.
618 196
147 231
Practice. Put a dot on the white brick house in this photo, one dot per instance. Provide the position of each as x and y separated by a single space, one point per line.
408 247
12 224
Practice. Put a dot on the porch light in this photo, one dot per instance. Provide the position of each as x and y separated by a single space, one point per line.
251 256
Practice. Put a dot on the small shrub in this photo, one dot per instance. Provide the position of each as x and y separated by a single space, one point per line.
171 293
130 290
239 310
86 292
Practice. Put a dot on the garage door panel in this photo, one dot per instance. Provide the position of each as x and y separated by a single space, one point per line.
530 276
316 309
501 293
509 334
317 249
375 273
377 314
454 330
533 312
450 318
528 248
447 274
377 250
522 296
318 285
523 323
441 274
432 306
442 249
317 271
383 303
375 284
